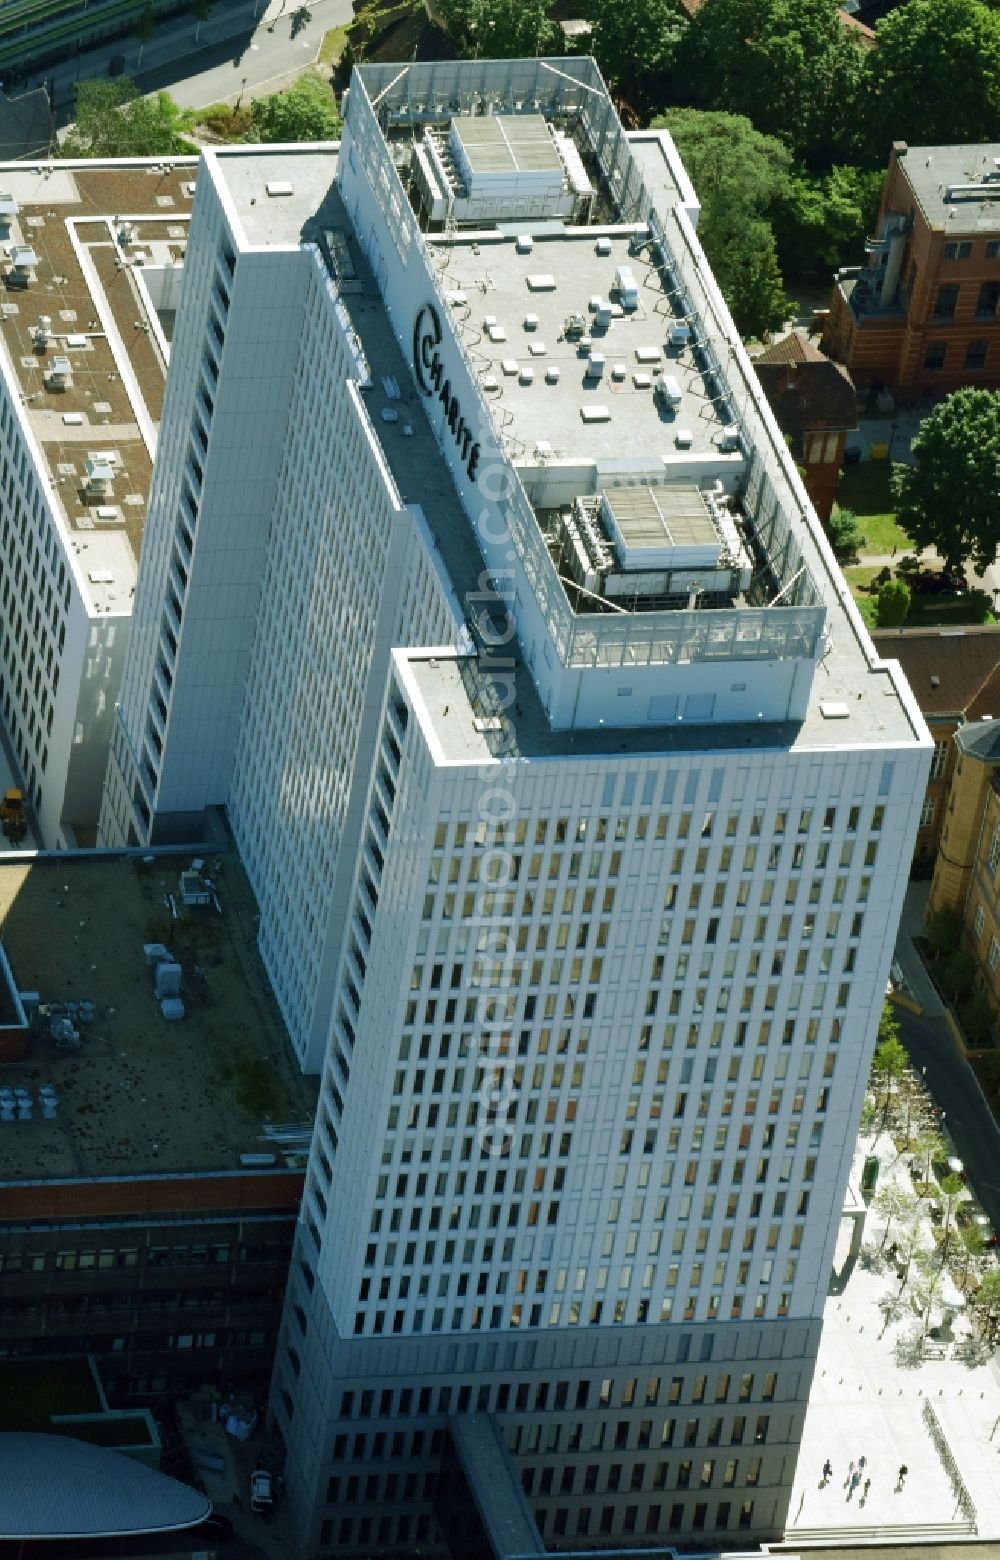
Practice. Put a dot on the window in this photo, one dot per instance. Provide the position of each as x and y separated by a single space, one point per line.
980 917
988 304
993 249
945 302
959 250
992 960
993 860
935 355
820 448
927 812
939 759
976 353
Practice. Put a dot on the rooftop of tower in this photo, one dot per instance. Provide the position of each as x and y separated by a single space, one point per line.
136 1093
552 260
90 253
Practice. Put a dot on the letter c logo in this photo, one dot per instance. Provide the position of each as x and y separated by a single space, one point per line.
426 336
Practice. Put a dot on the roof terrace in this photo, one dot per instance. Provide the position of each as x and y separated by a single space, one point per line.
136 1092
89 253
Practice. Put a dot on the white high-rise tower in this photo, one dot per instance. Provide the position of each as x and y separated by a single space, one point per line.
576 800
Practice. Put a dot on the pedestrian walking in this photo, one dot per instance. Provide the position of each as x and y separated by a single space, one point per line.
903 1471
827 1471
868 1485
861 1464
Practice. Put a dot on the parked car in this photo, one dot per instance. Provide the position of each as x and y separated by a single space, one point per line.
262 1492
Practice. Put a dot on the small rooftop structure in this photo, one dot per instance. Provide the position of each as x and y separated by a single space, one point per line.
662 527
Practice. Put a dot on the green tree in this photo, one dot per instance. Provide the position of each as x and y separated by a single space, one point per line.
930 1147
306 112
738 175
145 27
952 1193
788 65
950 497
499 29
892 604
634 43
973 1248
909 1241
824 218
893 1308
845 533
895 1205
931 1274
112 120
984 1301
943 931
935 76
889 1066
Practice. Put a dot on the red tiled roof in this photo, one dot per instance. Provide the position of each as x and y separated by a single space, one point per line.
951 671
805 389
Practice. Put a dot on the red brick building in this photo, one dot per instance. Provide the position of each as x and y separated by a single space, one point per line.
922 316
815 404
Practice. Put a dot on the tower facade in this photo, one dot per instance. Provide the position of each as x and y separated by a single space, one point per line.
576 800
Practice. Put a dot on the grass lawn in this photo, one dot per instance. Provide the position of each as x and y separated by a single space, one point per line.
925 611
857 579
866 490
333 45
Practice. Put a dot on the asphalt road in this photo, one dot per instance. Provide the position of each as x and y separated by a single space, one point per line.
956 1090
244 46
260 62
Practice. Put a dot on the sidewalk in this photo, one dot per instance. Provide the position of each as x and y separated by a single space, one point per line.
917 981
868 1400
229 1488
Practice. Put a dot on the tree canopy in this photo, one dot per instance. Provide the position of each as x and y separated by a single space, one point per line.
738 175
823 217
306 112
950 497
634 43
113 120
788 65
935 75
892 604
500 29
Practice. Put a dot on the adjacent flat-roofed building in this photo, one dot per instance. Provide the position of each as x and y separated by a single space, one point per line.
147 1203
921 315
91 254
480 586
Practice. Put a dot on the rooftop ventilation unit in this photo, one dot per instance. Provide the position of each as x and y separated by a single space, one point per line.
59 374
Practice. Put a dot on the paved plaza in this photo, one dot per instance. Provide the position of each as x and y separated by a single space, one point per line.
873 1396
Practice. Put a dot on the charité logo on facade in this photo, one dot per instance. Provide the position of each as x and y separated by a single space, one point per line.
429 369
